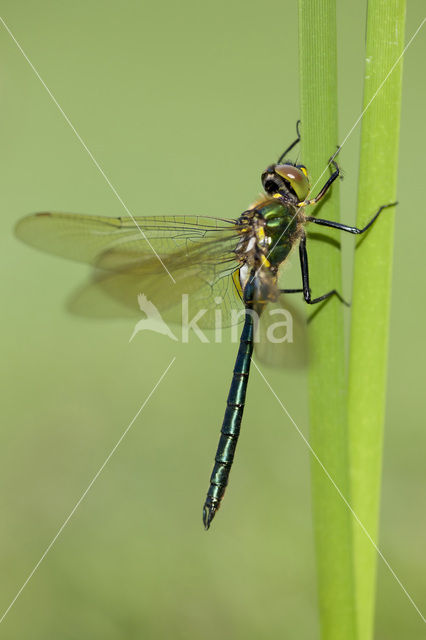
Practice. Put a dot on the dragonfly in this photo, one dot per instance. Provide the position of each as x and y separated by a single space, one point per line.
214 261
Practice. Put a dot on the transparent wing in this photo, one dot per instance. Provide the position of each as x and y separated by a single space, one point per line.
119 243
197 291
283 340
138 257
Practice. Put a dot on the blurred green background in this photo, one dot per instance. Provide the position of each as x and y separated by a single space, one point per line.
183 105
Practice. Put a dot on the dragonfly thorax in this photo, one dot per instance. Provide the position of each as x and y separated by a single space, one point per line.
271 229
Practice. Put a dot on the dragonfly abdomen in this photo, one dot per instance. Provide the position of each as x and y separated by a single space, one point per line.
231 423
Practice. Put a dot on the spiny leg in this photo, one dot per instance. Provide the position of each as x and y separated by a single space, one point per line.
304 256
291 290
327 185
344 227
293 144
305 279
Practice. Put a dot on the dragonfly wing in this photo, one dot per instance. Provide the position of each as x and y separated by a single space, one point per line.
282 336
138 256
119 243
196 290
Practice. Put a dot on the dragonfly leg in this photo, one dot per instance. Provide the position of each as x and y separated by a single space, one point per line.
291 290
344 227
293 144
327 185
305 279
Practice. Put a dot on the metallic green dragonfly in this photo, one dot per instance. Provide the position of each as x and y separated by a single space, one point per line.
236 261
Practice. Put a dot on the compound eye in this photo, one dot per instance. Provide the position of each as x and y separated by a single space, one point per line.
297 177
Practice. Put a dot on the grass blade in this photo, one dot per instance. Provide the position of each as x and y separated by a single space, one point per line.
327 394
372 284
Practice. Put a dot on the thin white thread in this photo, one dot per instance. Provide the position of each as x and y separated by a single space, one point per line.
80 139
341 495
375 94
84 494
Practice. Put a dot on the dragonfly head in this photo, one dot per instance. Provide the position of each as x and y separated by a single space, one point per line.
289 180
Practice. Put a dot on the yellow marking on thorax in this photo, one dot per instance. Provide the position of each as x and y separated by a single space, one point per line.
260 233
237 282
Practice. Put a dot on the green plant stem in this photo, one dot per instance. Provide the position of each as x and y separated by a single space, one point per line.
371 293
327 397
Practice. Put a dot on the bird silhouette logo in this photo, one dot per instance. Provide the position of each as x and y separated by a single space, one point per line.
153 320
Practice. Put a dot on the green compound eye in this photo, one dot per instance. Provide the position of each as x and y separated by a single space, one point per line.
296 176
